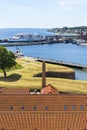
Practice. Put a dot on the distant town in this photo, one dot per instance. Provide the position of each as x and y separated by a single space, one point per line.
76 35
75 30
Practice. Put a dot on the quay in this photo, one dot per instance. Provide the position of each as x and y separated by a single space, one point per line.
6 43
22 43
68 64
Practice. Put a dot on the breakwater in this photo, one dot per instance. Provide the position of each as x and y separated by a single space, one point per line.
73 65
22 43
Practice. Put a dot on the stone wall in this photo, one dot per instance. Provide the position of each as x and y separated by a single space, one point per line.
70 75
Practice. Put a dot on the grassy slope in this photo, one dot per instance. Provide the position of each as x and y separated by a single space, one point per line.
25 78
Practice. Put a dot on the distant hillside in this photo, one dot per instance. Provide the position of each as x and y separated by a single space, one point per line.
76 30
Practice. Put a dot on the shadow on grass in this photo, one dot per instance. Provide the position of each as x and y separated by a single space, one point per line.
38 75
51 74
55 74
48 74
11 78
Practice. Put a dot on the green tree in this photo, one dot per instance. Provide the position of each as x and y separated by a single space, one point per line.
7 59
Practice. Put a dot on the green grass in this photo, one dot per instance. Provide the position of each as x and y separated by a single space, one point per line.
25 77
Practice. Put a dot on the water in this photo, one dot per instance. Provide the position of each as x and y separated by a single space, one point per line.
59 51
10 32
80 75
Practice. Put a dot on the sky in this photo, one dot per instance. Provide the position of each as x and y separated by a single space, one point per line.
42 13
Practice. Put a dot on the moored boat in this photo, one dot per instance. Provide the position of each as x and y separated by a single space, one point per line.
81 42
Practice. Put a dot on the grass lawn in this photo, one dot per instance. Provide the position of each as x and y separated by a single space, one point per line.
26 77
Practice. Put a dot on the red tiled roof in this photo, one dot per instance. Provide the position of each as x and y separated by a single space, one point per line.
49 89
14 90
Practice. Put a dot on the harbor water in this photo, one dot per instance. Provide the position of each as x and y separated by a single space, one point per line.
59 52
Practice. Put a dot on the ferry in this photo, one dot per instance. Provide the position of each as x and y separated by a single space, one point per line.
27 37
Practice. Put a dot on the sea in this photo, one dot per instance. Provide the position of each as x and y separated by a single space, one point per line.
57 51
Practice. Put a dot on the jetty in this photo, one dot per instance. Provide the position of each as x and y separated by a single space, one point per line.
22 43
68 64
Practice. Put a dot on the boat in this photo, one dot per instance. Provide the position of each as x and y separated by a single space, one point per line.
27 37
81 42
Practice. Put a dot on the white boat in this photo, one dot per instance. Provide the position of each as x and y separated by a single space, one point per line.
81 42
26 37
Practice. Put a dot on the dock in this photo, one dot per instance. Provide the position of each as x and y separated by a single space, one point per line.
68 64
22 43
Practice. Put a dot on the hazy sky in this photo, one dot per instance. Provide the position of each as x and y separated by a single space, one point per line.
42 13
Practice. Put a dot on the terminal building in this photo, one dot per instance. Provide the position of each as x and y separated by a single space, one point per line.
48 109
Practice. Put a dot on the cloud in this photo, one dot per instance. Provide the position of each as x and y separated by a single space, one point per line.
71 4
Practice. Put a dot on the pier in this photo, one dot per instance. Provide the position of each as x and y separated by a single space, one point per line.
22 43
68 64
